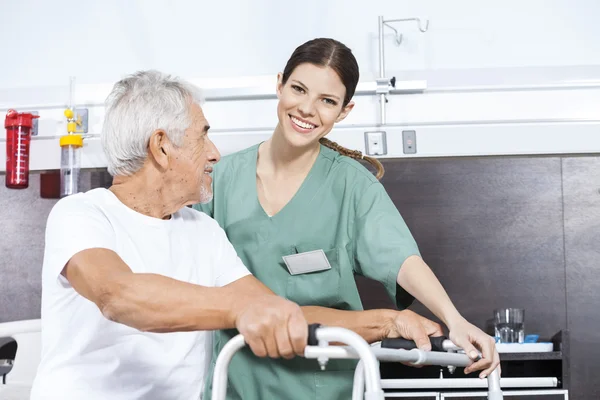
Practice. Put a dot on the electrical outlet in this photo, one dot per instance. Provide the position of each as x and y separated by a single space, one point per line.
375 143
35 128
409 142
35 123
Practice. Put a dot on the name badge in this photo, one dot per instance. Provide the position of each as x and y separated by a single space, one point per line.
310 261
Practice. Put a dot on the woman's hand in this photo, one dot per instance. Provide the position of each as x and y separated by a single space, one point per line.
470 338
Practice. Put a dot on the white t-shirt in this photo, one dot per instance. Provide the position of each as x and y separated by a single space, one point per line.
86 356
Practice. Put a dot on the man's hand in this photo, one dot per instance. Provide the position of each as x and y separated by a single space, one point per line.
273 326
410 325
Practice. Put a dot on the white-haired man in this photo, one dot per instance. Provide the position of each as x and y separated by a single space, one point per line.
133 280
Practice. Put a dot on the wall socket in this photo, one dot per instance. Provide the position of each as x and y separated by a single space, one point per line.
35 126
409 142
375 143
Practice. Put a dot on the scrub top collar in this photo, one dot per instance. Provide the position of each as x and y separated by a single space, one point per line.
308 190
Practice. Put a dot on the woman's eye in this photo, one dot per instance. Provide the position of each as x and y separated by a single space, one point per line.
297 88
330 101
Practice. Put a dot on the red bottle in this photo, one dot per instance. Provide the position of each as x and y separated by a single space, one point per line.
18 137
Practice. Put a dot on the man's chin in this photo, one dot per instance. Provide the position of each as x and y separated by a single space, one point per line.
206 197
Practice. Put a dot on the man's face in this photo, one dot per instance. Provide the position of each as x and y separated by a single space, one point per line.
192 162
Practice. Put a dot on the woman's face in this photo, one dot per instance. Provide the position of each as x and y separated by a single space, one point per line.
310 103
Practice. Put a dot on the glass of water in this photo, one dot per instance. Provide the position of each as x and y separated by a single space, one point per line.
509 325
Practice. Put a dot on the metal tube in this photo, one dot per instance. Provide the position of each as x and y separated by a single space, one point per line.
381 49
382 97
71 90
437 358
220 373
447 395
449 346
512 393
382 102
359 382
467 383
415 356
360 347
493 381
419 394
420 357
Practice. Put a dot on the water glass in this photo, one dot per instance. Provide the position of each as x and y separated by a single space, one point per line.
509 324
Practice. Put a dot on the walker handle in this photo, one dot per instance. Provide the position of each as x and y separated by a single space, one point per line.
437 343
312 334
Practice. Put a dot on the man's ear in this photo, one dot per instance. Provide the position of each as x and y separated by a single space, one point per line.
279 86
160 148
345 111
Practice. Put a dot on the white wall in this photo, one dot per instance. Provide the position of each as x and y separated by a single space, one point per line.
474 57
231 38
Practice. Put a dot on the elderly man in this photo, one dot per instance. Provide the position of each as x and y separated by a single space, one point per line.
134 281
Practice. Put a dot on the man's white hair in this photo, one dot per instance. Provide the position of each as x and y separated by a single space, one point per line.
139 105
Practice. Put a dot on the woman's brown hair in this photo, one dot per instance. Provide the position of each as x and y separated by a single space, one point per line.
326 52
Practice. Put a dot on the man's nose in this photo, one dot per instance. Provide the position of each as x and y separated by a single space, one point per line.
213 153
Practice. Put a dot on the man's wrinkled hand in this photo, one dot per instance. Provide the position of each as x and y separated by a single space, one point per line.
273 326
410 325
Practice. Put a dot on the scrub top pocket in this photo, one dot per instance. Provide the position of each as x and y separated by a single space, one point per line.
319 288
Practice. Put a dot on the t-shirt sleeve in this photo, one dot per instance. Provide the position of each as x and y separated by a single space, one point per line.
229 267
382 242
74 225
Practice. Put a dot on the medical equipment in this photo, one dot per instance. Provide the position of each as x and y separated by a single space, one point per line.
70 157
386 85
367 371
19 128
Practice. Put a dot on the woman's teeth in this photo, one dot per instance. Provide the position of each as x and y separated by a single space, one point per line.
302 124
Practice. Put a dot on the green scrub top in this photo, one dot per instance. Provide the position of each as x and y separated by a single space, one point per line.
340 208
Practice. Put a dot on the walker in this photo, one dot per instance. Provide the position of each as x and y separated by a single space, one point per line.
367 371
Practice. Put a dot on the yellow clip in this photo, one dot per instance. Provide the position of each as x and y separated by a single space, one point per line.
71 127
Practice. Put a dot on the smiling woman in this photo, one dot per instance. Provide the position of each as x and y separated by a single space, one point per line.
311 99
328 68
298 194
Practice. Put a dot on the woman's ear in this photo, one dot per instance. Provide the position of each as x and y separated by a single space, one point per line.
159 148
279 86
345 111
